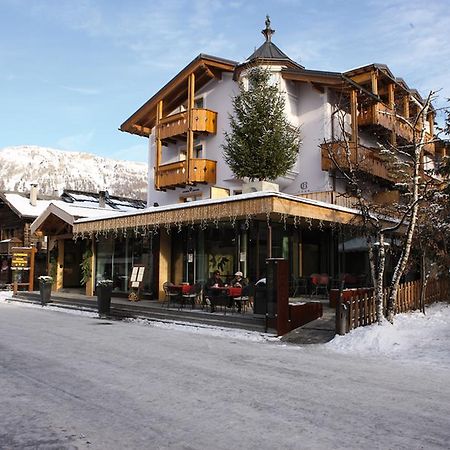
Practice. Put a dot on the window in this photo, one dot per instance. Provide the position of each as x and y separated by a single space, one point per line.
198 151
199 103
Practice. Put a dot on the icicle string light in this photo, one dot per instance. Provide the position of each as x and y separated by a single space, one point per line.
203 215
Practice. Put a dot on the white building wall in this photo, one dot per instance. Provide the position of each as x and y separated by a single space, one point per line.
306 107
314 118
217 95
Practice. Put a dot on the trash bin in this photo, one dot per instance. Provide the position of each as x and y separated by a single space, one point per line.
260 301
104 292
45 289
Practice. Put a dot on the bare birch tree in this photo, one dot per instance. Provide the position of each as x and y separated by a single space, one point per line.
384 224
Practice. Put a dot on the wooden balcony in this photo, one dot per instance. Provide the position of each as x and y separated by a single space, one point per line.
332 197
383 116
365 159
175 174
203 121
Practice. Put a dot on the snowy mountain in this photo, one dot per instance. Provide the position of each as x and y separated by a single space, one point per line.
55 169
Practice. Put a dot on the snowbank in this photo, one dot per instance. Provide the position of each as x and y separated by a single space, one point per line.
412 337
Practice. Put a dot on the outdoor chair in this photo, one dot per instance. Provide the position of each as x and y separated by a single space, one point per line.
244 298
192 295
319 282
173 294
166 294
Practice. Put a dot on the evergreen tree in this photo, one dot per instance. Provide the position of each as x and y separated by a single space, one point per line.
262 144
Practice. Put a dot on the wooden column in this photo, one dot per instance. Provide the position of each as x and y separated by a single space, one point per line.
431 121
391 101
165 250
406 107
58 285
31 274
90 285
391 98
159 114
354 115
374 80
190 133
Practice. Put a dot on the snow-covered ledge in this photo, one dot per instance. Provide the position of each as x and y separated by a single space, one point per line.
256 186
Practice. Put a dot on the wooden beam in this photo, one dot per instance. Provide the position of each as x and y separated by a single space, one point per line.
374 79
406 107
391 95
159 115
354 115
174 84
327 80
362 78
90 283
431 122
190 133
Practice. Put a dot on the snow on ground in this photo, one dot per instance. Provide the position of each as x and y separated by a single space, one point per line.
179 325
412 337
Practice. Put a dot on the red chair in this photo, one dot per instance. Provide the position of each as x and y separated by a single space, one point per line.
319 282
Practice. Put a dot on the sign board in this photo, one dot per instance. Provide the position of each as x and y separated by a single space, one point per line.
137 276
23 260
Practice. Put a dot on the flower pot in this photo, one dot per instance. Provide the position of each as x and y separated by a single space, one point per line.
104 292
45 290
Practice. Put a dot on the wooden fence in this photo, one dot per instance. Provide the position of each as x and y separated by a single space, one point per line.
360 310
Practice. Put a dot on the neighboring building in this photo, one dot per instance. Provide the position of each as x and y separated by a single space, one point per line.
203 219
17 212
56 222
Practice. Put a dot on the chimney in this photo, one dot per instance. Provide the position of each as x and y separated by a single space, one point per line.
33 194
101 199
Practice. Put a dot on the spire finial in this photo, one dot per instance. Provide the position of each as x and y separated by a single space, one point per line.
267 32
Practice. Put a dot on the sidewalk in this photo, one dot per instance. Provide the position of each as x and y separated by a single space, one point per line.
152 310
316 332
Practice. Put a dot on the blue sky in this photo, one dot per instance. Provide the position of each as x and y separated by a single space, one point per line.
71 71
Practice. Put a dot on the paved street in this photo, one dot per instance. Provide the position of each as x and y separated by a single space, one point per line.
70 381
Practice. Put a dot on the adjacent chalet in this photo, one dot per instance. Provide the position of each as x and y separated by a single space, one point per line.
200 217
26 220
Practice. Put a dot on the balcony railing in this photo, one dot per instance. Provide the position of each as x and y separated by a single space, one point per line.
332 197
363 158
175 174
382 115
203 121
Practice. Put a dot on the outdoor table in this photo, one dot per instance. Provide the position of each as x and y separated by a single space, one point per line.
176 291
223 296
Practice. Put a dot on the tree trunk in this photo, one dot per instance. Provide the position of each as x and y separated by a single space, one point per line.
377 271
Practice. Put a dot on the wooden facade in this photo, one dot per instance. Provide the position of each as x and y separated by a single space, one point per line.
14 226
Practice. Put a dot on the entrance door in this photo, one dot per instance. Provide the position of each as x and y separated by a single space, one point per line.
73 252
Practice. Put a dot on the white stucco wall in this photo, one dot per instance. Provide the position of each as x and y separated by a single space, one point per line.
306 107
217 95
314 115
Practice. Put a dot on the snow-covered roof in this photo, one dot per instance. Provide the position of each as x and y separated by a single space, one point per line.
232 198
91 199
22 206
69 213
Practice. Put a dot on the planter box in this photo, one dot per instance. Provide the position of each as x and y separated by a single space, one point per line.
256 186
